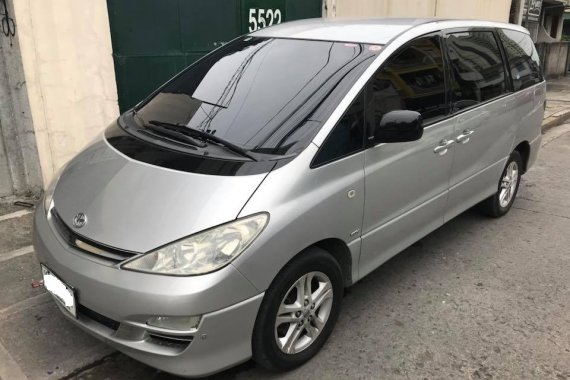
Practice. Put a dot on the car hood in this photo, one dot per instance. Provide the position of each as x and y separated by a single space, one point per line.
138 207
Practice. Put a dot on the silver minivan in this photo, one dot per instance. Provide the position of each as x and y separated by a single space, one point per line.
222 217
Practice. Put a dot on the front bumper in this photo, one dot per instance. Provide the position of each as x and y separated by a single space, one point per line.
114 305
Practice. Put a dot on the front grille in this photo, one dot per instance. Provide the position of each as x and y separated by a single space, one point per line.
89 246
105 321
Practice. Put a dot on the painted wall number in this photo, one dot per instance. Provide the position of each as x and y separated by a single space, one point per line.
260 18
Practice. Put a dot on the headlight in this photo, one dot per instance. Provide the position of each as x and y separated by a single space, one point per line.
48 194
203 252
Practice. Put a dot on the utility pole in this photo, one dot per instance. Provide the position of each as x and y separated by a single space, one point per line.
526 15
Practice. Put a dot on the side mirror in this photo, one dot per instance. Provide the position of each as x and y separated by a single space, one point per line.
399 126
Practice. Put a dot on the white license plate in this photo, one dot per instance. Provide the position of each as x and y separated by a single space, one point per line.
63 293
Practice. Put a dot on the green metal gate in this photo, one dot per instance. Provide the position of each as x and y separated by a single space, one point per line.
154 39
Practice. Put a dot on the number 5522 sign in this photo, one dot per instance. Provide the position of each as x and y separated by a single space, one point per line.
262 13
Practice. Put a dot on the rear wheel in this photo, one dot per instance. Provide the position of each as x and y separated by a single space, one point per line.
298 312
500 203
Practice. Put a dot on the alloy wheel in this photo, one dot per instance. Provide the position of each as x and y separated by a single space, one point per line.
303 312
508 185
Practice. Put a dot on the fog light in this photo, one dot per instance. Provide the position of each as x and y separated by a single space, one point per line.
175 323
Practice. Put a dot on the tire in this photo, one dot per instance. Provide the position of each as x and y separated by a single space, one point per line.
496 206
269 342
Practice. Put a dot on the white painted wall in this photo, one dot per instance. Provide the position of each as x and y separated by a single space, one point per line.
68 66
496 10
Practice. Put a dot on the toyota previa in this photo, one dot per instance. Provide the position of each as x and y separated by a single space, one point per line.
222 217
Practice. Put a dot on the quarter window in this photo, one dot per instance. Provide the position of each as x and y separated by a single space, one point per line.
413 79
523 58
347 137
476 67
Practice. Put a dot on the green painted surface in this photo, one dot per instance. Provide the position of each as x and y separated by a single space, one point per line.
205 24
153 40
299 9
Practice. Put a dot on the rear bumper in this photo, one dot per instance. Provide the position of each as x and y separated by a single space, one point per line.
115 304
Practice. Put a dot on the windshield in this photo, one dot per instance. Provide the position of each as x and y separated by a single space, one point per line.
260 94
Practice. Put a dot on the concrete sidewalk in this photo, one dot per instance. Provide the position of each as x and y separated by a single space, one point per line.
557 102
36 342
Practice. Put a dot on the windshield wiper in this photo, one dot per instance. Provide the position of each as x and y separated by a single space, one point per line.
211 104
177 136
203 136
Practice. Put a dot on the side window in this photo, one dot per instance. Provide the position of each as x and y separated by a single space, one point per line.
347 137
412 79
476 66
523 59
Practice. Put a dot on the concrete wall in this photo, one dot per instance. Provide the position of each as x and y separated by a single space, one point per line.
554 58
497 10
68 66
376 8
20 170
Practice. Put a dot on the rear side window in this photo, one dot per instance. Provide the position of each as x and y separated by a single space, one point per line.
523 59
347 137
413 79
476 67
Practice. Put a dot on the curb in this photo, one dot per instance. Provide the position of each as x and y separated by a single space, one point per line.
555 119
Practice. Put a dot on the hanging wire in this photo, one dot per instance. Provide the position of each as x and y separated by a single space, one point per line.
8 24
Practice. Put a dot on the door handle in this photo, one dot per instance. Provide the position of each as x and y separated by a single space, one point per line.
443 146
464 138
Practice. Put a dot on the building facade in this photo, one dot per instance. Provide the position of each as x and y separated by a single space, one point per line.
543 18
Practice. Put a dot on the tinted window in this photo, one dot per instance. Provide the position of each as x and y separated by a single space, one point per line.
413 79
523 58
347 136
477 68
258 93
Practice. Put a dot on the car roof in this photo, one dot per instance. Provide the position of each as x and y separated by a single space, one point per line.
372 31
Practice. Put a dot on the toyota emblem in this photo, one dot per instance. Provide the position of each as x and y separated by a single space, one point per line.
79 220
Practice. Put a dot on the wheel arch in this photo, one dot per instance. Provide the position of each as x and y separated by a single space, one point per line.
524 150
338 249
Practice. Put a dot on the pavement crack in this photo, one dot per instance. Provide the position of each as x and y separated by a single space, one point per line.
554 139
557 204
559 100
78 371
541 212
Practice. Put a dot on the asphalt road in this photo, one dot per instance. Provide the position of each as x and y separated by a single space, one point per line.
479 298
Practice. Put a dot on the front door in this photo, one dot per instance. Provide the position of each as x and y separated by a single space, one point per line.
406 184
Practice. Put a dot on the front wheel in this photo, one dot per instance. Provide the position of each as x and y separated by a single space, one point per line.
298 312
500 203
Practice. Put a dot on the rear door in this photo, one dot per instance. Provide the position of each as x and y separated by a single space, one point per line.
527 102
406 184
484 128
